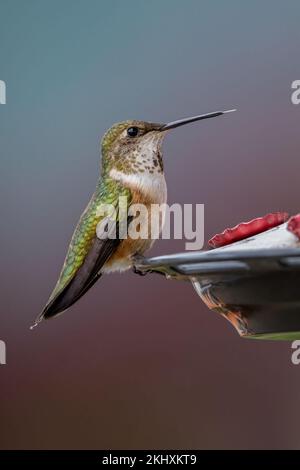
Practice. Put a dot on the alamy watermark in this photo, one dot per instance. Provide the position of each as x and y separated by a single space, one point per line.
2 352
152 221
295 97
295 357
2 92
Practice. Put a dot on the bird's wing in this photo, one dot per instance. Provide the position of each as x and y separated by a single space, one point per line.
88 252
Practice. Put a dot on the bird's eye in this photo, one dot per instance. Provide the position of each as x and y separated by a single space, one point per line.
132 131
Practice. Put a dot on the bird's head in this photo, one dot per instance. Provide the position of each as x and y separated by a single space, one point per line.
135 146
130 146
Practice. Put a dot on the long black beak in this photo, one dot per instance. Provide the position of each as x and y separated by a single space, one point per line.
182 122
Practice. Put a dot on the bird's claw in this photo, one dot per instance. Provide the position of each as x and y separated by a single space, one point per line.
139 272
136 260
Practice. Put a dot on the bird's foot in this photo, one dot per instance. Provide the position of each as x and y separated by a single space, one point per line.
136 259
138 271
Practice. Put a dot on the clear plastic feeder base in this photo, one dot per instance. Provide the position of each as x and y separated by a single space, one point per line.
257 291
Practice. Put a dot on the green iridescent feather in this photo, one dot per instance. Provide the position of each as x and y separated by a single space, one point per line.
108 191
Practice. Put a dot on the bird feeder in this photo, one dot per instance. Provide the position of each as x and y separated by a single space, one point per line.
251 276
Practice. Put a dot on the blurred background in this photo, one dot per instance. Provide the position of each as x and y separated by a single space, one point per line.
141 362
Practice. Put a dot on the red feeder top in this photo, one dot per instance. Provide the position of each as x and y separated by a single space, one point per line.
248 229
294 225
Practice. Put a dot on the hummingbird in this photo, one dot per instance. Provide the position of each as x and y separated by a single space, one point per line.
132 167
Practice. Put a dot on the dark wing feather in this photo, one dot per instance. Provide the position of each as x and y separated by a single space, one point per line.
86 276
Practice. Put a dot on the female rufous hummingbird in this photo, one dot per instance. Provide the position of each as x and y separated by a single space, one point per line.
132 167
